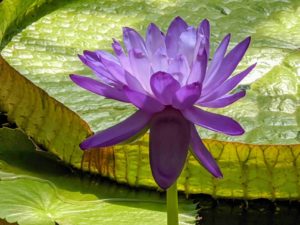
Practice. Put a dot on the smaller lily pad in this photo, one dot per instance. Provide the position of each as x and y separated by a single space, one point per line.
35 189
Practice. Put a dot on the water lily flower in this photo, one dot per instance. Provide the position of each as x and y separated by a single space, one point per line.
169 78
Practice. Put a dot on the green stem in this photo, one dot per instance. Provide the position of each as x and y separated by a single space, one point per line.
172 204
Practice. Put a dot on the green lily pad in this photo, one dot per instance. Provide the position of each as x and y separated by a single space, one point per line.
46 53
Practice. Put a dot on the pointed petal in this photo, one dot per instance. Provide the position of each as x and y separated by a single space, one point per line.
203 155
179 68
98 54
159 61
230 63
90 55
198 68
186 43
213 121
154 39
140 67
124 60
177 26
233 58
224 101
143 101
99 88
227 86
164 86
99 70
118 133
169 142
186 96
216 61
104 60
133 83
133 40
202 39
204 29
83 59
115 69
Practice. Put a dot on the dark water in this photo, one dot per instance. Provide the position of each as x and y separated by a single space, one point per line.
254 212
4 121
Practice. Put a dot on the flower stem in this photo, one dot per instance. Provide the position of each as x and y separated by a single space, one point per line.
172 204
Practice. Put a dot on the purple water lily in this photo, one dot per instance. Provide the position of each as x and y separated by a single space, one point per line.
168 78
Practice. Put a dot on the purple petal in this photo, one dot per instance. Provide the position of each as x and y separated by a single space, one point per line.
164 86
99 88
140 67
143 101
179 68
227 86
99 70
216 61
154 39
115 69
83 59
224 101
213 121
109 62
159 61
202 40
203 155
91 55
118 133
198 68
204 29
124 60
186 43
133 40
176 27
186 96
230 63
169 141
133 83
98 54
